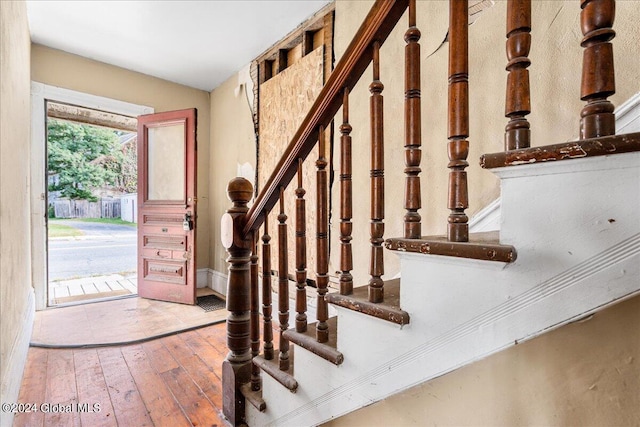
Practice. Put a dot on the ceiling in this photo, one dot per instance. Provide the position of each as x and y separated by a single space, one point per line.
195 43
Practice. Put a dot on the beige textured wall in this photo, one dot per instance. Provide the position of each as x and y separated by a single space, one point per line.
57 68
232 144
555 80
582 374
15 263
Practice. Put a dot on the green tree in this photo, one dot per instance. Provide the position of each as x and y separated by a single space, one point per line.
81 158
126 165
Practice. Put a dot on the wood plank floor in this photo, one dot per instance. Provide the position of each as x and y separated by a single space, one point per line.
171 381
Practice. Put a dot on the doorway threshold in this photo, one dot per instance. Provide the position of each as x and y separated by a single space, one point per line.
93 299
91 289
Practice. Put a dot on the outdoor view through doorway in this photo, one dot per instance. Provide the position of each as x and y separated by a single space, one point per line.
91 204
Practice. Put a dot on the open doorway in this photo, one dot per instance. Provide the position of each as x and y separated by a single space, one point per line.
91 167
41 96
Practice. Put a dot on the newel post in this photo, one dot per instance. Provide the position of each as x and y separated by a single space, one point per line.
236 369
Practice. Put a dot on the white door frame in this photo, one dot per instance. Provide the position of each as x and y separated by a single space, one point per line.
40 93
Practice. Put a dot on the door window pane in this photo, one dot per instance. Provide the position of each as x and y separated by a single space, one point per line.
166 163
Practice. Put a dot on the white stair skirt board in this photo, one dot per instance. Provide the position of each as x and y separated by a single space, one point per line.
628 115
487 219
575 227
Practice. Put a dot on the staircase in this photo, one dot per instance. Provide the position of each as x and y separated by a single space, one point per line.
568 242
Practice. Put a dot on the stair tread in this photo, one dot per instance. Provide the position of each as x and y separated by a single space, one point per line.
482 246
307 340
603 146
272 368
359 301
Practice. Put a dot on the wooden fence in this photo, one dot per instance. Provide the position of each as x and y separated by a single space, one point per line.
104 208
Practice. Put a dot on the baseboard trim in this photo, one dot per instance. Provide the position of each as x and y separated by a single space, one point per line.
17 360
202 277
217 281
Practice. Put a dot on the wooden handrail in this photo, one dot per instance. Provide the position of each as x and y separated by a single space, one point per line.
377 26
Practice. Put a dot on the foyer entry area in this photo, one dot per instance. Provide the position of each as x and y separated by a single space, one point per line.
120 321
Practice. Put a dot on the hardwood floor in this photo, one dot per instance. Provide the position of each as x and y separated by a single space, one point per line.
171 381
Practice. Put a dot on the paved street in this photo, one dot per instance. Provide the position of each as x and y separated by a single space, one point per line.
94 229
103 250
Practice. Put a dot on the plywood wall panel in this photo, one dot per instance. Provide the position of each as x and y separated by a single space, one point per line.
285 100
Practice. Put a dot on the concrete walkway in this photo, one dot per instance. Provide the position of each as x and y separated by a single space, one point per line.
91 288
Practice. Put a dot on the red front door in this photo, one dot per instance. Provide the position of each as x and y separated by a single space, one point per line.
167 206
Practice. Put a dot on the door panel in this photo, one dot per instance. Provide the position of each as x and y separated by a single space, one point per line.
167 200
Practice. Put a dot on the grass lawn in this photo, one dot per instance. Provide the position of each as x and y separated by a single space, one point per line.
61 230
117 221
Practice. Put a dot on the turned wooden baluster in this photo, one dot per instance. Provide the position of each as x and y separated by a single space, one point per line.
236 368
518 99
376 268
301 255
346 201
256 382
458 147
283 285
598 76
412 128
322 239
267 333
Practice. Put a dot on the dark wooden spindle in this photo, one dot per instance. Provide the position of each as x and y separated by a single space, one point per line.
236 368
598 76
283 285
412 128
255 316
301 255
518 98
346 201
267 333
458 147
322 239
376 268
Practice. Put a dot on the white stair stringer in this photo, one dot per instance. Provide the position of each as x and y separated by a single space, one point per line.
576 227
